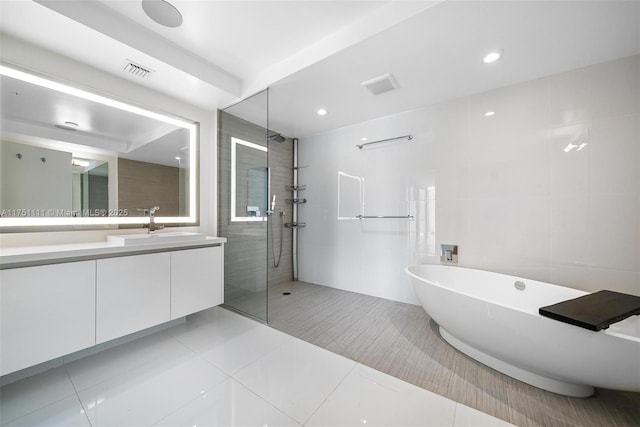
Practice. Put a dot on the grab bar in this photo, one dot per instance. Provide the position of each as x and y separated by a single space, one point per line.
384 216
409 137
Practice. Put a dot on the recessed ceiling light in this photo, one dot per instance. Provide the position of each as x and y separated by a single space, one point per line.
492 57
489 113
364 138
68 126
162 12
177 157
321 112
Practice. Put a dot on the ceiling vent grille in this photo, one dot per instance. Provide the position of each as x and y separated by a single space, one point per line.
381 84
137 69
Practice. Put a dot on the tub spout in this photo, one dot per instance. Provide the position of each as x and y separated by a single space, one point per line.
449 253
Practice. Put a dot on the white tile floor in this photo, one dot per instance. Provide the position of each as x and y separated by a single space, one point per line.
221 369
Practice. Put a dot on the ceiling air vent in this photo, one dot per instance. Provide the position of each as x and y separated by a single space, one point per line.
137 69
381 84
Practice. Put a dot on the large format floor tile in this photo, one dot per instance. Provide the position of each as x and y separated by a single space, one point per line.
221 369
210 328
99 367
145 395
296 378
237 352
229 404
22 397
370 397
64 413
469 417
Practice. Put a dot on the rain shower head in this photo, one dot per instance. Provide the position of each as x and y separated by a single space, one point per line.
278 137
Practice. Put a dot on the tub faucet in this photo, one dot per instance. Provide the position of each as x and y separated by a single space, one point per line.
449 253
152 226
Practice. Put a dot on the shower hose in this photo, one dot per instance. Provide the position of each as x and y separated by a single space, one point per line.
273 250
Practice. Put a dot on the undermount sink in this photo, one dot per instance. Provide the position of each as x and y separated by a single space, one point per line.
142 239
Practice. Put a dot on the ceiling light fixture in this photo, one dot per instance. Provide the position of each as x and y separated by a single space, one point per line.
68 126
489 113
162 12
322 112
81 163
492 57
364 138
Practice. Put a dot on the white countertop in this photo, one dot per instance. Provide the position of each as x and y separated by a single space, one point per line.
49 254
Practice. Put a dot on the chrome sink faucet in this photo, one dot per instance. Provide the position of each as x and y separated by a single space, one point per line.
152 226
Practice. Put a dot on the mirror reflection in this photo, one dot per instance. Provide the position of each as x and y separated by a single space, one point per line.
71 157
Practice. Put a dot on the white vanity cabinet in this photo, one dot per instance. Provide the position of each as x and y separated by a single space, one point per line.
132 293
65 299
45 312
196 280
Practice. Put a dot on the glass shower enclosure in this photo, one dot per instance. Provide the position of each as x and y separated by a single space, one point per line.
244 206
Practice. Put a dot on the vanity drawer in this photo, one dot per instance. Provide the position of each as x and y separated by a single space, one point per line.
132 293
196 280
46 312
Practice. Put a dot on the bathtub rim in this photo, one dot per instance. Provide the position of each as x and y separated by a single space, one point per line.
607 331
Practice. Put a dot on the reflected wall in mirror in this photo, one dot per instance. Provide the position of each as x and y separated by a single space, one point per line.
249 181
74 158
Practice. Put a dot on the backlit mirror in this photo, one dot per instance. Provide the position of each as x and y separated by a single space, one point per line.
249 181
69 157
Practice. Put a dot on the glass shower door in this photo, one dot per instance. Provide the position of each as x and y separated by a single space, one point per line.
243 203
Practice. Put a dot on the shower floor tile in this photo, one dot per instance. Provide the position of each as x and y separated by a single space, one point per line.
402 341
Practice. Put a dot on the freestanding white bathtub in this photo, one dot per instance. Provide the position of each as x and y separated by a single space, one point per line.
487 317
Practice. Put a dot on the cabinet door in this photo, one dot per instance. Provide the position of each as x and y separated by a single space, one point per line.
133 293
196 280
45 312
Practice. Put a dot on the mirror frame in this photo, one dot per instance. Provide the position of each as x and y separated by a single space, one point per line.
192 127
234 145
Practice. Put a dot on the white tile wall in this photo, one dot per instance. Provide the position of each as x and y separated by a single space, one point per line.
506 191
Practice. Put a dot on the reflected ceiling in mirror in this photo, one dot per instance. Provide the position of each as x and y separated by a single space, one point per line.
51 120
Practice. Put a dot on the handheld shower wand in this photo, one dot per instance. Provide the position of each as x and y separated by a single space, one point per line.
276 263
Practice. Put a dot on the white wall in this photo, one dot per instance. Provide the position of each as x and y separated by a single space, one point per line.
77 74
505 190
